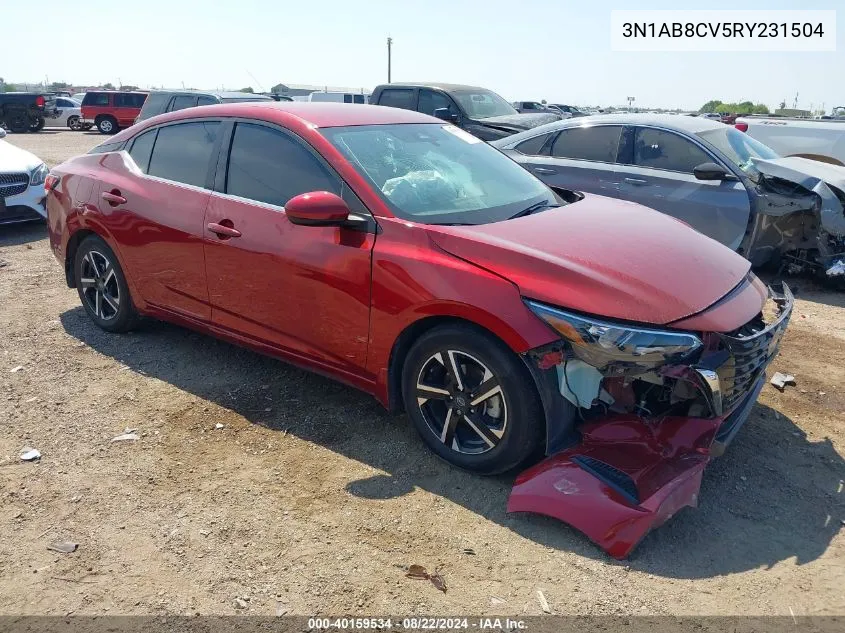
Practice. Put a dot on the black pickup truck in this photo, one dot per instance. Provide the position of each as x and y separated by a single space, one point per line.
26 111
479 111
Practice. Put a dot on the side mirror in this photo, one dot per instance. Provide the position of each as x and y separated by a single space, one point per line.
445 114
317 208
2 132
710 171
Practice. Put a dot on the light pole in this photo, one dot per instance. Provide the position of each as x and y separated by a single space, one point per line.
389 44
630 102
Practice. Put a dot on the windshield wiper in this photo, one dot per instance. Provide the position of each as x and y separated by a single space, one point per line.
534 208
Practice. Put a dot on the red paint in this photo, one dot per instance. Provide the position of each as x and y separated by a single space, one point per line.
664 460
336 300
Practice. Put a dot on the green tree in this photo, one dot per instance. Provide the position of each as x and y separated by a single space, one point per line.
129 88
760 108
247 89
711 106
107 86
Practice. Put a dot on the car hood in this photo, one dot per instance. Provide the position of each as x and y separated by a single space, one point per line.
518 122
814 176
15 159
604 257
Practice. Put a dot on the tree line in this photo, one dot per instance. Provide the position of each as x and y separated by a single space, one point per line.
744 107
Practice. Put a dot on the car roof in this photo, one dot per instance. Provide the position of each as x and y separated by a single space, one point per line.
309 114
217 93
446 87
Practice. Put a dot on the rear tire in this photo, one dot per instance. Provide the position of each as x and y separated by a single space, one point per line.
486 435
107 125
73 123
36 124
102 286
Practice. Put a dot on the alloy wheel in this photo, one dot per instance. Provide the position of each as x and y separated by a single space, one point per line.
99 285
462 402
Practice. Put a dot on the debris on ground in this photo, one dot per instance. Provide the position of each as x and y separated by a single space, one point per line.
544 604
63 547
126 437
419 572
3 263
30 454
240 603
780 380
469 551
219 426
15 370
496 600
281 609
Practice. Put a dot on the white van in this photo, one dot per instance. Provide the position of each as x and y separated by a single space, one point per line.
339 97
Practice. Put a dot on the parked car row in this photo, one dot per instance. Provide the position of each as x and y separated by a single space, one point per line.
511 319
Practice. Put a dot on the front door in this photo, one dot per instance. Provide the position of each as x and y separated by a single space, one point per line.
303 289
657 171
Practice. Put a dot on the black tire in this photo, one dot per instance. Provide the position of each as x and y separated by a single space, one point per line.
73 123
107 125
513 430
37 123
18 123
109 286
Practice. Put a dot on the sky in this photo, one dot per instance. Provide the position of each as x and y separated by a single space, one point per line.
558 50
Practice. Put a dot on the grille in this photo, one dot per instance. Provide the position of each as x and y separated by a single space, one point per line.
751 349
13 184
612 476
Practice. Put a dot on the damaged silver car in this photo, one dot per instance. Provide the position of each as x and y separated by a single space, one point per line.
778 212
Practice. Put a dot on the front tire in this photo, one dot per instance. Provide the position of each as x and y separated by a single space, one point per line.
73 123
472 400
102 286
107 125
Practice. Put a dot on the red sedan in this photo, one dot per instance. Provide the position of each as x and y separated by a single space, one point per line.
407 258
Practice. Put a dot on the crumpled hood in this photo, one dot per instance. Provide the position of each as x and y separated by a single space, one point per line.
604 257
815 176
15 159
519 121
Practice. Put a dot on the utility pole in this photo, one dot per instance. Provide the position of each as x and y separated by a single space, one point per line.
631 102
389 44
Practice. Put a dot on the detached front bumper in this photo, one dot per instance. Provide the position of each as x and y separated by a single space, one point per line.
628 474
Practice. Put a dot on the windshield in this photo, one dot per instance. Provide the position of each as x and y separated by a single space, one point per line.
482 104
737 146
438 174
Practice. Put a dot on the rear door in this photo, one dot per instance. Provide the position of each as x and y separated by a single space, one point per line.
153 199
302 289
579 158
656 170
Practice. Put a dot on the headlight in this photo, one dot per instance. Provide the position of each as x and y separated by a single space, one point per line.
39 175
603 343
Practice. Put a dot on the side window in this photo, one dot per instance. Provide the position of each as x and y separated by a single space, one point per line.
182 152
122 100
207 101
269 166
155 103
596 143
142 148
96 99
180 102
358 98
658 149
347 98
431 101
532 146
397 98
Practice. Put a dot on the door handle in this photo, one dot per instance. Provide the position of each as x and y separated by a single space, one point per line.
113 197
544 170
222 230
636 181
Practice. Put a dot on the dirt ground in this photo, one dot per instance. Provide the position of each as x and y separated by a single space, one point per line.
311 499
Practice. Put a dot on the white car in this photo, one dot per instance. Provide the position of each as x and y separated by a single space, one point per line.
70 114
820 139
22 177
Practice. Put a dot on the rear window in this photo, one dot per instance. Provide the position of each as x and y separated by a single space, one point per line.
129 100
96 99
182 152
532 146
397 98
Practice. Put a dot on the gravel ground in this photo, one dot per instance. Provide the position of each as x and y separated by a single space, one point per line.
311 499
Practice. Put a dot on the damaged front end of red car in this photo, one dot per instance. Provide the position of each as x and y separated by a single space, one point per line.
635 414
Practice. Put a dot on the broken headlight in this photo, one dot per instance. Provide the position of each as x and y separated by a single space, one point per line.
617 347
